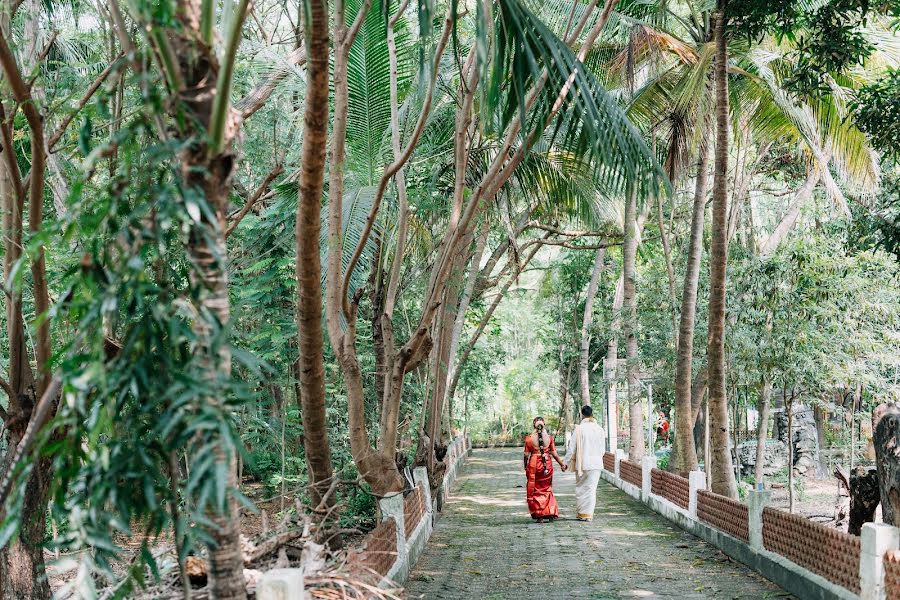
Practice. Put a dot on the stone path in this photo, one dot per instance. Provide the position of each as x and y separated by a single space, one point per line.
486 547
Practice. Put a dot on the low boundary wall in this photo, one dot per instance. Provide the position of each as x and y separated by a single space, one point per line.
807 559
390 551
414 514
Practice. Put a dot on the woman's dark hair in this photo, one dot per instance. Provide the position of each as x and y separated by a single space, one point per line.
586 411
540 437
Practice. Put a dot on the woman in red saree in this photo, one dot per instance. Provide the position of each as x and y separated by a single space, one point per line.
539 448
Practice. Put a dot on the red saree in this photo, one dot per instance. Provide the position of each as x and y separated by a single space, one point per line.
541 502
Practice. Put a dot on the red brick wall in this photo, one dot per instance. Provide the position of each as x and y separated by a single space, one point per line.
673 488
609 462
724 514
892 575
413 510
630 472
380 551
828 552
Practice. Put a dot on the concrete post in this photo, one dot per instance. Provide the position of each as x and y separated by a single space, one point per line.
648 463
697 481
392 506
420 476
877 538
620 456
756 502
281 584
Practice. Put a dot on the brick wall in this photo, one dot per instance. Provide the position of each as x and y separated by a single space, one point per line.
380 548
413 510
609 462
724 513
673 488
827 552
631 472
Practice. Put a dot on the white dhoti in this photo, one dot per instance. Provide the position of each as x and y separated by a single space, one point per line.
586 493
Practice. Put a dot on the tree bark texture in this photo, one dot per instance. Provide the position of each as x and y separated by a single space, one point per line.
864 498
309 268
684 428
886 435
586 322
722 475
629 325
762 430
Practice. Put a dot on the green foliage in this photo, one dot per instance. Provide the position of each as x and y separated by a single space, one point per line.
876 109
828 37
526 51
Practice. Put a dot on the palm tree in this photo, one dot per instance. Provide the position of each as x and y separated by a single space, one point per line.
629 323
722 475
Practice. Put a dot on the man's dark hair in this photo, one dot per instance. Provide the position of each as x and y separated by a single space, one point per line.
586 411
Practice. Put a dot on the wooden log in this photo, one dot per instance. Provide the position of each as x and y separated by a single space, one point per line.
886 435
864 496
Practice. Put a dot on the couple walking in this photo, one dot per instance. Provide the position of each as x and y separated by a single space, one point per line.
584 456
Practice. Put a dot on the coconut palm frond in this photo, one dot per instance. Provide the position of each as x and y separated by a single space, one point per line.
369 97
525 51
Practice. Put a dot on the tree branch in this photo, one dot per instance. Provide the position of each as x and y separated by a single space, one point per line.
40 58
22 95
38 418
91 90
278 170
260 94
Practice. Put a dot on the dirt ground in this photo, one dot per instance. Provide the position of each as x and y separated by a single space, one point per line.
815 499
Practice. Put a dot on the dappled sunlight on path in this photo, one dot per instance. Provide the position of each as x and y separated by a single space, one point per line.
485 546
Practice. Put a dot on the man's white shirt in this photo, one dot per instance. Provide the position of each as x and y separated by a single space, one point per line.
594 438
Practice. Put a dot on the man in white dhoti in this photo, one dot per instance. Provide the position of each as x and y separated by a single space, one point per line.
584 456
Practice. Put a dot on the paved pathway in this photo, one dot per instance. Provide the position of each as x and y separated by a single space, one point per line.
486 547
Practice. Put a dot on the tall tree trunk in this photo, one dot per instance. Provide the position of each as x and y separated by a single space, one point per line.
629 326
311 364
789 408
610 374
22 574
723 481
684 428
586 322
886 435
804 193
762 431
460 320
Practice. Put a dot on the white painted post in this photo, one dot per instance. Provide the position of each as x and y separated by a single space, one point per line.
756 502
420 476
392 506
650 429
877 538
281 584
696 481
620 456
648 463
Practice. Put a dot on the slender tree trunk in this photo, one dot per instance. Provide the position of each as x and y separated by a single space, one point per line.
886 435
723 481
584 357
22 573
762 431
311 364
684 428
670 269
629 325
789 407
804 193
460 320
